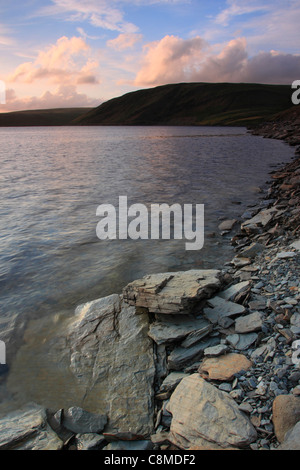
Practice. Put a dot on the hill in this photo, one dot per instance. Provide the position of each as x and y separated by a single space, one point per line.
41 117
233 104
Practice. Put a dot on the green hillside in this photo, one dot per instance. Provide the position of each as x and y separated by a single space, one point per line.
233 104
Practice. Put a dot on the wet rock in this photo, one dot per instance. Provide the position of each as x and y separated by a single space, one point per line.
224 367
172 293
205 416
28 429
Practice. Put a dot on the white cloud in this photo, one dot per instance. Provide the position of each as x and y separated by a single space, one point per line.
240 7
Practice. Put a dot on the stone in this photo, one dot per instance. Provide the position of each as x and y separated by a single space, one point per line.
171 381
129 445
160 438
296 245
251 251
241 262
231 292
171 328
172 293
292 439
224 367
286 413
221 308
261 219
249 323
204 416
79 421
286 255
182 357
227 225
242 341
89 441
215 351
28 429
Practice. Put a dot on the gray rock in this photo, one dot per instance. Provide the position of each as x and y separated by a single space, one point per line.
172 328
216 351
79 421
251 251
242 341
204 416
130 445
231 292
249 323
27 429
296 245
181 357
171 381
89 441
227 225
292 439
172 293
261 219
222 308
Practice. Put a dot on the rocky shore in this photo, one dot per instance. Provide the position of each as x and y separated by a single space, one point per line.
196 360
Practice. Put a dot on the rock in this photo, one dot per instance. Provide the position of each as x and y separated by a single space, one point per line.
251 251
182 357
286 255
172 293
160 438
296 245
79 421
249 323
171 381
172 328
89 441
129 445
286 413
231 292
261 219
241 262
221 308
216 351
292 439
241 341
27 429
224 367
227 225
205 416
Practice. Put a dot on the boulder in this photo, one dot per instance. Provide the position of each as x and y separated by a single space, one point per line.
286 413
172 293
292 439
204 416
28 429
224 367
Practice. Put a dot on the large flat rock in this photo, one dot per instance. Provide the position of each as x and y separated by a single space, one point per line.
203 416
170 328
172 293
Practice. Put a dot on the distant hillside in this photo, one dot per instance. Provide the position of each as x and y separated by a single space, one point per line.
239 104
41 117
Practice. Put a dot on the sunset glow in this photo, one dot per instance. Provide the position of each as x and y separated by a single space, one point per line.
79 53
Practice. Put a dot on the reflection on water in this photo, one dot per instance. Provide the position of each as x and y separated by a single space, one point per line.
53 179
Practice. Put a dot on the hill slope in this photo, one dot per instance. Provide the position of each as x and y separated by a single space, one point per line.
235 104
41 117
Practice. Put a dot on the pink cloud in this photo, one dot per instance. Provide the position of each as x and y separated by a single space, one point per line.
65 61
173 59
124 41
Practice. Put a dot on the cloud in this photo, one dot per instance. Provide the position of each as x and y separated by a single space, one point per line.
173 60
238 8
99 13
124 41
170 60
65 96
65 61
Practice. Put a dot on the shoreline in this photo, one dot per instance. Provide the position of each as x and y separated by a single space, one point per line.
261 285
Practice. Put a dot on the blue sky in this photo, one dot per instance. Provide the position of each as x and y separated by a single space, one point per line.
80 52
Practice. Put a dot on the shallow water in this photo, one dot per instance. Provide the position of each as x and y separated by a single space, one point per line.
53 179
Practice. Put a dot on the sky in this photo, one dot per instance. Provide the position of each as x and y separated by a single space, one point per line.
79 53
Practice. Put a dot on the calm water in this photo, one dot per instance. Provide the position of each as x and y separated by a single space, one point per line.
53 179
